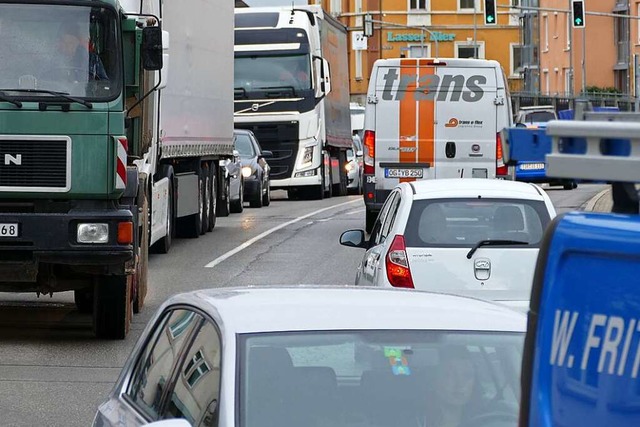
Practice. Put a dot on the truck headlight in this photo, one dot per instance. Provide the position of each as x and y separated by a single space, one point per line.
247 171
93 233
307 157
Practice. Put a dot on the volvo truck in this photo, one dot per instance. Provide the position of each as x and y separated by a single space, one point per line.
114 118
292 90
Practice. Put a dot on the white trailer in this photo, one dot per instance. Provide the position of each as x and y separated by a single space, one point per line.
292 90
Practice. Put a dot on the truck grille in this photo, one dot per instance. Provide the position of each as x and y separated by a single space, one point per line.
33 164
282 140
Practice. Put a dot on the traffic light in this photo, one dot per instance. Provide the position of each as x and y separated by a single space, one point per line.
577 13
490 16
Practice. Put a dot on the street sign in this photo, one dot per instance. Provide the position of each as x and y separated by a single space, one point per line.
490 15
577 13
358 41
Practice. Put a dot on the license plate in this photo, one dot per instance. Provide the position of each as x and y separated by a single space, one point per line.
403 173
531 166
9 230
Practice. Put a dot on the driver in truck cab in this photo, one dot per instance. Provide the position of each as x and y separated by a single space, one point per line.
76 52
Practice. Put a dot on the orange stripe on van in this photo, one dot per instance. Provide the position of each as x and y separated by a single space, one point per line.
408 115
426 121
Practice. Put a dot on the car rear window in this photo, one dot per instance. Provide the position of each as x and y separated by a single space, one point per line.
465 222
540 116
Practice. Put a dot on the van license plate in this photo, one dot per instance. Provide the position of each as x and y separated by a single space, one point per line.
531 166
9 230
403 173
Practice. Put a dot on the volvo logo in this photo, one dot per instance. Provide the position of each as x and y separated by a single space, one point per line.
10 159
255 107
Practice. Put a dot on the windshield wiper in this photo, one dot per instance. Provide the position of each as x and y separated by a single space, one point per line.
64 95
5 98
493 243
239 91
293 90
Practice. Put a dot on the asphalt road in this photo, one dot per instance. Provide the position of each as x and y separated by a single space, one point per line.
54 373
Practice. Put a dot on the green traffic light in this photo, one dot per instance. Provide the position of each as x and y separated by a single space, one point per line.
578 21
489 18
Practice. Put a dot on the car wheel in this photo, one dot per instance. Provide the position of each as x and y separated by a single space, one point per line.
266 199
237 206
257 201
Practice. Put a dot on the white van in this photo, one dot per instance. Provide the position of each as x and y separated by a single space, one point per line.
432 118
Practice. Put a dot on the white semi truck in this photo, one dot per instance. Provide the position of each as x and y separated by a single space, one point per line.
292 90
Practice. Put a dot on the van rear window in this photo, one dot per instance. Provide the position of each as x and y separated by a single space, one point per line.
465 222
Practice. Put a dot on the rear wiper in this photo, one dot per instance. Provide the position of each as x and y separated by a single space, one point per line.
293 90
493 243
64 95
5 98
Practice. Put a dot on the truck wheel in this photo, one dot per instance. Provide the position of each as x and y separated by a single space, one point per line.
142 268
224 207
266 199
205 198
113 308
84 300
257 202
370 219
237 206
164 244
213 206
570 185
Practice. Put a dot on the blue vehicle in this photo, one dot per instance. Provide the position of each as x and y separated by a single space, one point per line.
581 362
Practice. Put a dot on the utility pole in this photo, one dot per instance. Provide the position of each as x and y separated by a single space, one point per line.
475 30
570 31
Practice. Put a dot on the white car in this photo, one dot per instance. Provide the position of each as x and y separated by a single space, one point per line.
469 236
321 356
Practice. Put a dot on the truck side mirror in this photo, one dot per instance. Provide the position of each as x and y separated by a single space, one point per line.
326 77
152 48
323 76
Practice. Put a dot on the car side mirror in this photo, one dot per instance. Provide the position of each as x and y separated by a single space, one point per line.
266 154
520 125
236 153
152 48
359 153
353 239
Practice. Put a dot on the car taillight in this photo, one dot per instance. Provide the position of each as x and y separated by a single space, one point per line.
501 168
369 151
397 263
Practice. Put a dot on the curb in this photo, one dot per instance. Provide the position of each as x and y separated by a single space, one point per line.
591 203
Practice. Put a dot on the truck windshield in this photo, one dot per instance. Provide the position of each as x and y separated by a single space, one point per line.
62 48
265 73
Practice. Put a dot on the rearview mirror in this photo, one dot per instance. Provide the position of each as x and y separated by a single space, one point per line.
353 239
152 48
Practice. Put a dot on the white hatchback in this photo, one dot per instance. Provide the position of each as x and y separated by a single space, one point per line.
474 237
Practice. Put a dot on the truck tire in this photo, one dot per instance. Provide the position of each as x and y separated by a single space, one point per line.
370 219
84 300
213 204
113 308
224 207
163 245
237 206
570 185
142 269
205 198
257 202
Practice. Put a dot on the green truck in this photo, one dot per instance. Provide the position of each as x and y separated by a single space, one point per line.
115 121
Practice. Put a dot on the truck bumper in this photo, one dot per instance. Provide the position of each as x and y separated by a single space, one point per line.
50 239
295 182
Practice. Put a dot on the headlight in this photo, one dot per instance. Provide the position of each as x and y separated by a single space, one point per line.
307 157
348 166
247 171
93 233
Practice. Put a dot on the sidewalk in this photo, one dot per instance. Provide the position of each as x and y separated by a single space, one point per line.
601 202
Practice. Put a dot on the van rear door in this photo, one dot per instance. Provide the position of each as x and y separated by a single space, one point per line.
404 123
466 122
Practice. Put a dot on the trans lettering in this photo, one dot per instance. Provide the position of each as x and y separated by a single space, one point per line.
611 342
431 87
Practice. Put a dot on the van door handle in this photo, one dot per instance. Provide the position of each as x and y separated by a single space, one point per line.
450 149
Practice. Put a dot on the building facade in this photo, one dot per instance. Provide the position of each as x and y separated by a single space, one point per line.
427 28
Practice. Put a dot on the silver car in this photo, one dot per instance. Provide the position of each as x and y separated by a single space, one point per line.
320 356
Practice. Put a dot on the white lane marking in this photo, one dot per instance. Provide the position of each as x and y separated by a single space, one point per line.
271 230
357 211
326 219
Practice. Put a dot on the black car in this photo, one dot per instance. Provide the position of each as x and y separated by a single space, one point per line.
255 169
